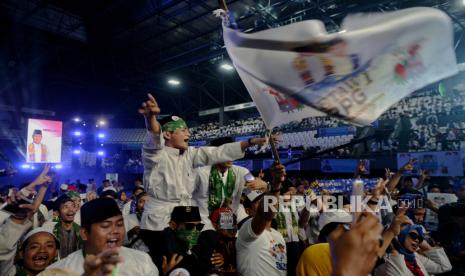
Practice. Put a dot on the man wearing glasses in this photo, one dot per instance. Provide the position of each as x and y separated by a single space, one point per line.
179 246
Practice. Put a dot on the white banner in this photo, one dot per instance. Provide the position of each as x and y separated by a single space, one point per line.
355 74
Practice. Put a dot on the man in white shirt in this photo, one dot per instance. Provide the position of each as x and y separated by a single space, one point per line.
221 185
102 229
261 250
169 169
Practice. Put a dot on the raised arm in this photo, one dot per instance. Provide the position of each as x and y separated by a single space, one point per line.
265 215
150 110
394 181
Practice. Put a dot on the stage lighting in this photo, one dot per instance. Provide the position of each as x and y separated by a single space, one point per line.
76 119
25 166
77 133
101 145
174 82
80 143
100 153
76 151
227 67
102 122
58 166
101 135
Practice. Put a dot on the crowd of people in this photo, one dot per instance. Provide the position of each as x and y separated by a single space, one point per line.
195 213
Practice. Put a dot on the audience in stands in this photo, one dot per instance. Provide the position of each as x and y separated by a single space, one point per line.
236 225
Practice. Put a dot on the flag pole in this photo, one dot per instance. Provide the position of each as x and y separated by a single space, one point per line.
223 5
273 147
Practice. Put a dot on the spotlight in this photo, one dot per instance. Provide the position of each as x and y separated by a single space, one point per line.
25 166
100 153
76 151
76 119
80 143
84 124
101 145
174 82
101 122
101 135
77 133
58 166
227 67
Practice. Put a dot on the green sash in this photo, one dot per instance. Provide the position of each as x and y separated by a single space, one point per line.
217 189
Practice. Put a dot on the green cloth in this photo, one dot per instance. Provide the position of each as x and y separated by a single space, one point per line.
175 124
190 237
76 228
282 227
219 192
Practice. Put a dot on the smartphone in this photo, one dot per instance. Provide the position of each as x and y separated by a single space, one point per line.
249 177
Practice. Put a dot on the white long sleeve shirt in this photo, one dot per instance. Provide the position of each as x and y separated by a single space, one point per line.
434 261
169 176
10 234
201 191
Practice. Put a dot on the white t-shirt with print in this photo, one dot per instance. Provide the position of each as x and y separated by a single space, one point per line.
260 255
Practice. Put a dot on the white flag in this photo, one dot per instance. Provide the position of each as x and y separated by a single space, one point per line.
300 70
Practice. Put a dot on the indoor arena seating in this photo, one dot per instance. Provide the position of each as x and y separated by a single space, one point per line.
307 139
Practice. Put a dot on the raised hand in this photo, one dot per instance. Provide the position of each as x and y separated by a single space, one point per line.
408 166
379 189
388 174
43 180
257 184
399 220
174 261
278 172
104 264
355 252
150 107
360 168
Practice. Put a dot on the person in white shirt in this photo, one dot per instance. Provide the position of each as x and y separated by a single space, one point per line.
102 229
287 221
221 185
169 165
261 250
132 224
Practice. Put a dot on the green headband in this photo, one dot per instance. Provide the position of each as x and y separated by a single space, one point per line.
175 124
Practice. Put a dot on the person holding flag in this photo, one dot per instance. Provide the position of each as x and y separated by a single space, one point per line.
169 169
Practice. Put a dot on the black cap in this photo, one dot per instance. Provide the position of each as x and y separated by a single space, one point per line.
60 201
221 141
37 132
98 210
182 214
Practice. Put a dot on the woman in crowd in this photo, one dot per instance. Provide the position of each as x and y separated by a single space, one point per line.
412 255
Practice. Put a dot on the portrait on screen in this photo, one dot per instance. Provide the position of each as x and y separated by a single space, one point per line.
44 141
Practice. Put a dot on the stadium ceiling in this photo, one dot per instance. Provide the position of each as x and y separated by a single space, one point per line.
92 56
